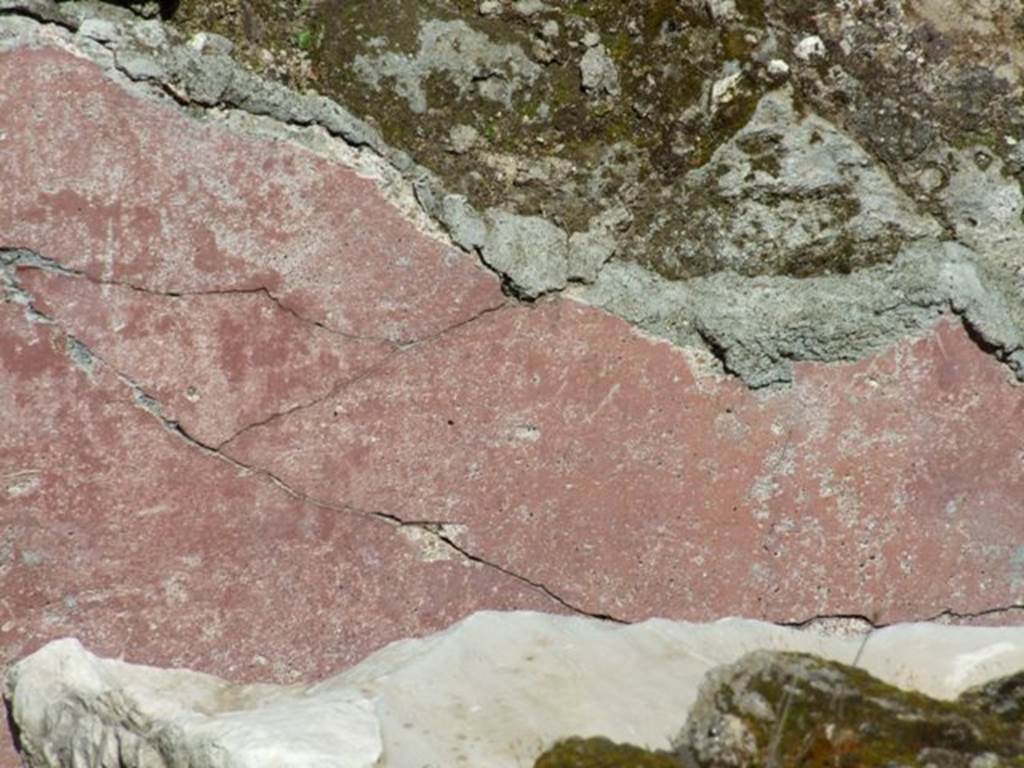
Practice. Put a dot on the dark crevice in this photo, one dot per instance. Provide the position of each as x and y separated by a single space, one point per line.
860 618
12 725
1008 355
168 8
872 623
718 351
509 287
985 344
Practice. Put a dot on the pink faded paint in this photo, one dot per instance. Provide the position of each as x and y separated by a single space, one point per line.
553 440
119 532
129 190
593 461
216 363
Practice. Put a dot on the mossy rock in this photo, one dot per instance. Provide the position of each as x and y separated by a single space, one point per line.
527 136
547 147
792 709
1003 698
603 753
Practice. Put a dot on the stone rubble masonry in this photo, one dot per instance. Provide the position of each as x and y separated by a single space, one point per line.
259 417
959 262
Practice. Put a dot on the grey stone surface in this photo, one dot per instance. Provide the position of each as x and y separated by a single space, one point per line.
42 10
466 227
532 251
98 29
463 138
598 73
590 250
788 193
73 709
210 42
468 58
759 326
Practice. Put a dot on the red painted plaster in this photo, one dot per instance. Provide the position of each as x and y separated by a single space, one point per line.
130 190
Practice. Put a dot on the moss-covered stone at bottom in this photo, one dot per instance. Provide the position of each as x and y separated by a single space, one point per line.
793 710
603 753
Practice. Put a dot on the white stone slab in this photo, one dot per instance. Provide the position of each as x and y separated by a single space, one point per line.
495 690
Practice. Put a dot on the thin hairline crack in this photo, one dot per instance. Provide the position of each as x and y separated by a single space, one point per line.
139 396
26 258
13 258
434 529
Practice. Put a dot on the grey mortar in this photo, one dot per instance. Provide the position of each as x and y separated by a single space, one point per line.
756 325
759 326
466 57
805 188
530 250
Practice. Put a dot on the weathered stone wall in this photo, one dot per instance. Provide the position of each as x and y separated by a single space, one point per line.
289 375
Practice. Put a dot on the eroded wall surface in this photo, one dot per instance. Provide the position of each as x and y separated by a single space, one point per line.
280 384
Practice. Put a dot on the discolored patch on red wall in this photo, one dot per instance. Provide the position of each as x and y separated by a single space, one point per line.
215 362
130 190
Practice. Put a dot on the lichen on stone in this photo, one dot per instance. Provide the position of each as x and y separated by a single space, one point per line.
787 710
598 752
759 149
793 709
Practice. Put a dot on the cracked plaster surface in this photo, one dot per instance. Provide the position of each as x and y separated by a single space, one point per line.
158 537
252 357
180 226
416 445
932 264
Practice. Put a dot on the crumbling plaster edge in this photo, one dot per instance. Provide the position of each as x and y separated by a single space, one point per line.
259 109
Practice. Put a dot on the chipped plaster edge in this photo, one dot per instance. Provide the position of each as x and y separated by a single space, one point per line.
756 343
